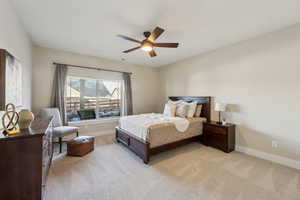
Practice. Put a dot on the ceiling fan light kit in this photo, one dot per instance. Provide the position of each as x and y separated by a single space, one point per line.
148 44
147 48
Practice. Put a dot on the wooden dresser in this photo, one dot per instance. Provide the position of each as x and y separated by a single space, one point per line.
25 160
219 136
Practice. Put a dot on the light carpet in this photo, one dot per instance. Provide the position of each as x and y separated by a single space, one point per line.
191 172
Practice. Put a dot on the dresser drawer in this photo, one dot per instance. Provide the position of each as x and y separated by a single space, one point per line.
215 129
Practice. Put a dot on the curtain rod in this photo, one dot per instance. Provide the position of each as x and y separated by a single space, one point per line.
93 68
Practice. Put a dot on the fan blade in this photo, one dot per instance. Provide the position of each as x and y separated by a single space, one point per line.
129 50
155 34
128 38
167 45
152 53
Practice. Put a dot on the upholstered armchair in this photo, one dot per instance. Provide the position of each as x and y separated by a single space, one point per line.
59 130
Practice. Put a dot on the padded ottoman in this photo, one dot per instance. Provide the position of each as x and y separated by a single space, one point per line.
80 146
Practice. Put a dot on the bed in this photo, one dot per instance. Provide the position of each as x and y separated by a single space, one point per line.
164 136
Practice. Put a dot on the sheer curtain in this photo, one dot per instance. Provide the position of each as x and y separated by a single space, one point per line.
58 90
127 108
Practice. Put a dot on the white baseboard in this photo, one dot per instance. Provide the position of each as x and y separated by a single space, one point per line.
270 157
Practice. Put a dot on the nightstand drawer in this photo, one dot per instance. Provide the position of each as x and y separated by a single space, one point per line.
218 140
219 136
215 129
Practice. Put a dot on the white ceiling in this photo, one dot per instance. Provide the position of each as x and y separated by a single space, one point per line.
90 26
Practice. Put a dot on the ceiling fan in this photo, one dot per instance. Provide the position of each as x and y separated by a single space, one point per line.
148 43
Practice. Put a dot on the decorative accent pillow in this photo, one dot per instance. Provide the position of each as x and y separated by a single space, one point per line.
191 109
198 110
170 110
181 109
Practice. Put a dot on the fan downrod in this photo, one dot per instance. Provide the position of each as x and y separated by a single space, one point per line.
147 34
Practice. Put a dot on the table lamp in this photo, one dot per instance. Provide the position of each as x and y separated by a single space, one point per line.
220 107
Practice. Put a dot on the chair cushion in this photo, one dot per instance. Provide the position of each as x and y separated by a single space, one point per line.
64 131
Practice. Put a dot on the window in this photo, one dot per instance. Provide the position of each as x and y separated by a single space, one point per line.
88 98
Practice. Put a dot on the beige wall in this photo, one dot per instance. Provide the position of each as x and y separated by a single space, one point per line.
15 40
260 78
144 79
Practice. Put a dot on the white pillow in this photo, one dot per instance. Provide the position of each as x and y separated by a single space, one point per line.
191 108
170 110
181 109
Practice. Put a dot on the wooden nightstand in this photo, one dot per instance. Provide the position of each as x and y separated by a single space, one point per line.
219 136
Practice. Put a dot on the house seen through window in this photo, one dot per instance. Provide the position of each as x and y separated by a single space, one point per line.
88 98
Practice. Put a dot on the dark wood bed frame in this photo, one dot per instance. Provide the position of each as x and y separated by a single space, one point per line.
142 148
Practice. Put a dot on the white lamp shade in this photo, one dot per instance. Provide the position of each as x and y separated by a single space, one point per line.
220 107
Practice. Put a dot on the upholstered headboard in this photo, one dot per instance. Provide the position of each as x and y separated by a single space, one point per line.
205 101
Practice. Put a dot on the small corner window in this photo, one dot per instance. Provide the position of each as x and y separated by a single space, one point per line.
90 99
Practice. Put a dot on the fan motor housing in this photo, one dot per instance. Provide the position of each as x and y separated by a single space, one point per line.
146 43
